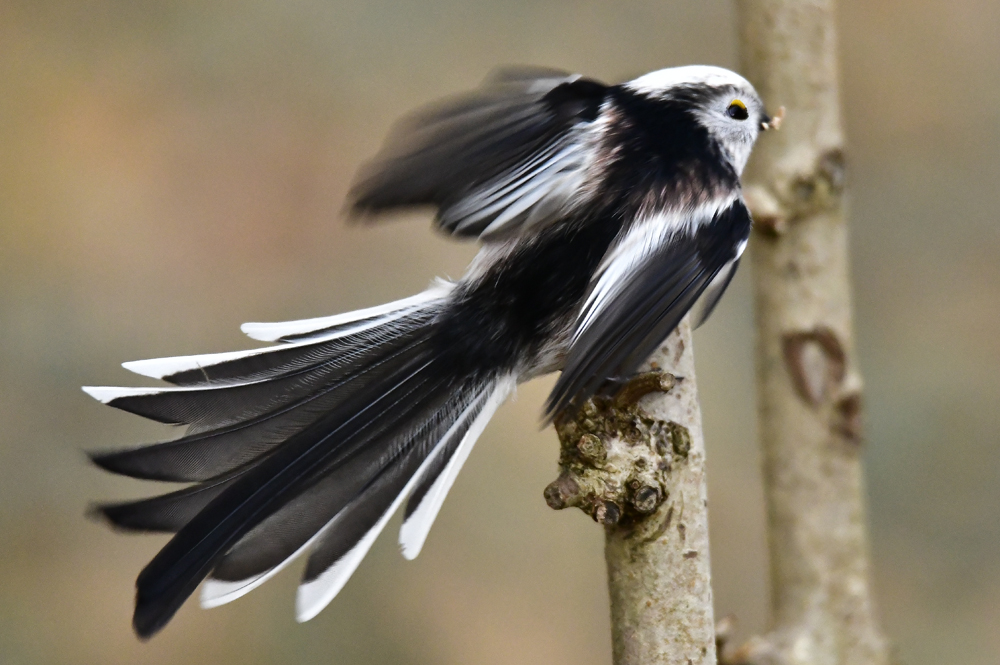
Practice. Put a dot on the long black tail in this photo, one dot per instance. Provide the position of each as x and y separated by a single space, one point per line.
310 445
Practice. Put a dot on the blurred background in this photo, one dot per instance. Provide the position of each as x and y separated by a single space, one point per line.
169 170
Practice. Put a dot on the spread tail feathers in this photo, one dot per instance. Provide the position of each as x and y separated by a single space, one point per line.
310 445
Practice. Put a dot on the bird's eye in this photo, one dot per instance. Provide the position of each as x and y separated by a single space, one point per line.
737 110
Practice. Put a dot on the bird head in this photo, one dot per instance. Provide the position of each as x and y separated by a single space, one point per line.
722 101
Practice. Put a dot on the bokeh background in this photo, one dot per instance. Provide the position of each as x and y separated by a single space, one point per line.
169 169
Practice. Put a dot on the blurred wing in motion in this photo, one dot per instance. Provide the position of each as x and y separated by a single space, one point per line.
510 156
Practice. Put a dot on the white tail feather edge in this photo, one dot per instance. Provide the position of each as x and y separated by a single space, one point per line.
107 394
157 368
310 602
413 533
273 332
218 592
313 596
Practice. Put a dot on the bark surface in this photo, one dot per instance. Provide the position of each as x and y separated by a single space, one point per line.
636 464
809 387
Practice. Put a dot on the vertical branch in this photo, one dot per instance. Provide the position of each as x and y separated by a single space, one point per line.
636 464
808 384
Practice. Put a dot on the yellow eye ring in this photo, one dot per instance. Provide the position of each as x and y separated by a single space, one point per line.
737 110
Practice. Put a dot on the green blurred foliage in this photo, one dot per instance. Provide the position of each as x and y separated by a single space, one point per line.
171 169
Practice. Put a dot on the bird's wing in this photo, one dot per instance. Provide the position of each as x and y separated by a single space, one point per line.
650 278
511 155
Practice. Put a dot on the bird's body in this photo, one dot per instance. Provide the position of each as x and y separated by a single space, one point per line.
606 213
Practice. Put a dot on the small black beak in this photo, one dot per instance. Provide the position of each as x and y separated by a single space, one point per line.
772 122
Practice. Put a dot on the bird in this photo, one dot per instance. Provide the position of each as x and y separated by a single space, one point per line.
605 214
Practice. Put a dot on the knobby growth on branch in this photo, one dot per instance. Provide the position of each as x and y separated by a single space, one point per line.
636 464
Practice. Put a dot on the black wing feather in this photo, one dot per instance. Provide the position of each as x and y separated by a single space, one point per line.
713 293
647 308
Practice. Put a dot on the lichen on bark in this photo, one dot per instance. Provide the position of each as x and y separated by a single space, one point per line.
615 458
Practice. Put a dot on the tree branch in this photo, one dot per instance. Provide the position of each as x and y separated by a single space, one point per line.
637 465
808 385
